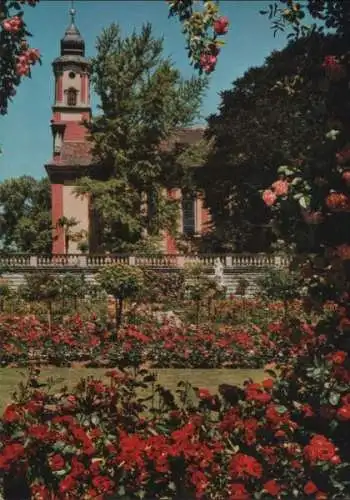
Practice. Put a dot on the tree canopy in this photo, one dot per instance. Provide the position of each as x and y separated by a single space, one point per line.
143 101
274 115
25 215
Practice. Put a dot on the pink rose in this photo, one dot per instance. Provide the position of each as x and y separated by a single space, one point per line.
208 62
269 197
280 187
221 25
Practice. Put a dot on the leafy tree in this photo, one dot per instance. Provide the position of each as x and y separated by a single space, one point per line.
143 101
25 218
275 114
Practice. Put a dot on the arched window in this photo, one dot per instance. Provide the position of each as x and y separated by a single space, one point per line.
188 215
72 97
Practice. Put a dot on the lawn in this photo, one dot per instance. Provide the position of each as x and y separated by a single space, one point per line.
210 379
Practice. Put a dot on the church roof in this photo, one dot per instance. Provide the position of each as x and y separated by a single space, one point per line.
78 153
72 43
184 136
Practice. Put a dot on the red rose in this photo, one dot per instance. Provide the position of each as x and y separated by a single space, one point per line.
11 414
39 432
239 492
57 462
221 25
268 383
243 466
272 487
310 488
40 492
78 468
319 449
343 413
13 451
103 483
204 394
200 481
67 484
338 357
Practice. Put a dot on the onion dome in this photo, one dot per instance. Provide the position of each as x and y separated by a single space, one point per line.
72 44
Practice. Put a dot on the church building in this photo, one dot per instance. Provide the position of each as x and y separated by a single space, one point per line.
72 158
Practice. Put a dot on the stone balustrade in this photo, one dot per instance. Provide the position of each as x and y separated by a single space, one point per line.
57 261
236 268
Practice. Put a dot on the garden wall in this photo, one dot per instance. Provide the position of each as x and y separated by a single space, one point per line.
240 271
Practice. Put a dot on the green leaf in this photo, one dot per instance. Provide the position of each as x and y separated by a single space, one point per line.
334 398
304 201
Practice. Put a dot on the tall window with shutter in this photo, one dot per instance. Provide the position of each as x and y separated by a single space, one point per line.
188 215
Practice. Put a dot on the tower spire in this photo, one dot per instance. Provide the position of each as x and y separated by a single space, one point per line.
72 12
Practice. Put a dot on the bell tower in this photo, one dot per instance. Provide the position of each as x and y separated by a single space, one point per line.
71 150
72 88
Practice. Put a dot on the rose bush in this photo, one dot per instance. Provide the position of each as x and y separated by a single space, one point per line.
26 339
16 57
104 440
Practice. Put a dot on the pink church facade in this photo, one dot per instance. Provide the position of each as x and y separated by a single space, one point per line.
72 158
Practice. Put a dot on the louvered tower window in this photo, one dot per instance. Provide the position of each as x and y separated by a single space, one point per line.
72 97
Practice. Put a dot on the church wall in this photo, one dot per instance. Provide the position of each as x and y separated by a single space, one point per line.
76 207
57 212
75 131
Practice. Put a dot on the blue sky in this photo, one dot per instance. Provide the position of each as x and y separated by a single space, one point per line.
25 136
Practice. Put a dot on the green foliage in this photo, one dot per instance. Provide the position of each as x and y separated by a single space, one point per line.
200 288
25 218
274 115
73 286
42 286
143 100
280 284
164 287
121 280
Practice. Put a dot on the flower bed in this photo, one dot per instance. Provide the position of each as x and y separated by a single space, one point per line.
26 340
104 439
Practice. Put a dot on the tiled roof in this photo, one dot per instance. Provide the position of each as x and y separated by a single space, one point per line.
76 153
184 136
